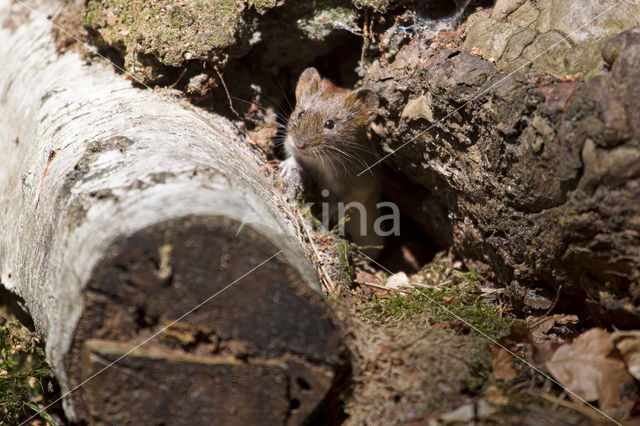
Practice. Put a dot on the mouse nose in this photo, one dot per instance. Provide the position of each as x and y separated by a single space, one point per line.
300 143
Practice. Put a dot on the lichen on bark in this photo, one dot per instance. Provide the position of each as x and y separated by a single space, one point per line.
167 33
554 36
158 37
531 179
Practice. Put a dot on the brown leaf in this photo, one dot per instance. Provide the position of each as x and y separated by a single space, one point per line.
543 352
495 396
502 364
547 323
628 344
584 367
552 328
364 277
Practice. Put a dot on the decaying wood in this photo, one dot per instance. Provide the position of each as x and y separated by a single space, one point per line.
534 180
124 209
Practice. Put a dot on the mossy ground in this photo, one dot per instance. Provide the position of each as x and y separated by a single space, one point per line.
424 351
25 378
441 305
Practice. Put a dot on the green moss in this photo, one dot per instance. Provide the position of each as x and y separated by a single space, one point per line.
380 6
264 5
22 372
441 304
168 32
468 277
326 18
91 13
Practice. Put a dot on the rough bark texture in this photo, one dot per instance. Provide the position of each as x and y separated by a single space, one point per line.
550 35
533 180
157 39
122 210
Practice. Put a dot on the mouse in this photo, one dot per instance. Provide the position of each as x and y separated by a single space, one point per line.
326 139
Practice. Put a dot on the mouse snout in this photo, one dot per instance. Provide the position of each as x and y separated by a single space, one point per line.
301 143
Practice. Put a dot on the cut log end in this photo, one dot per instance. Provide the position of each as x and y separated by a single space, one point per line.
263 350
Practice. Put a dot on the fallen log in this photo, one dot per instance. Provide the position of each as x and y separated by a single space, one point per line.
533 179
132 218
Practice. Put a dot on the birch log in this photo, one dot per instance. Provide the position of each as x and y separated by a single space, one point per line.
122 210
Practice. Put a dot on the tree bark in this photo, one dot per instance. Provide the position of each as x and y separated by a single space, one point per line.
533 180
124 209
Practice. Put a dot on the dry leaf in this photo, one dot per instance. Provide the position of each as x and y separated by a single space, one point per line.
585 368
547 323
364 277
543 352
628 344
495 396
502 365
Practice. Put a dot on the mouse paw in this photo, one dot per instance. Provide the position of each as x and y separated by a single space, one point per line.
291 173
290 170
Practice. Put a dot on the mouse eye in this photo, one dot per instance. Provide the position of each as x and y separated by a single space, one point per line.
329 124
301 113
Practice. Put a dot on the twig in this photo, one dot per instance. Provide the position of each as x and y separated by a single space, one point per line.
325 276
365 32
226 90
179 78
381 287
581 408
542 319
424 285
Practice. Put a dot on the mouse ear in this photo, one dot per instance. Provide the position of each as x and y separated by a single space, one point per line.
308 83
369 99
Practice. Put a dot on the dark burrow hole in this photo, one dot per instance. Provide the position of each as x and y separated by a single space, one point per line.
303 383
443 9
144 321
438 9
248 80
406 252
294 403
14 305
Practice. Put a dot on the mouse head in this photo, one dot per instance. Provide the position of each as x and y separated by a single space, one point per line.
328 119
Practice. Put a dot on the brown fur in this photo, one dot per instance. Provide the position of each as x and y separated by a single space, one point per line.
326 136
334 156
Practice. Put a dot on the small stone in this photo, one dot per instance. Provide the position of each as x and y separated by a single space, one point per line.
398 280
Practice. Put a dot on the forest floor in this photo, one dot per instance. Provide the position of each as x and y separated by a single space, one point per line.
442 347
437 347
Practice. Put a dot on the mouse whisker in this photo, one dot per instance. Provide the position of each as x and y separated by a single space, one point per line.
281 119
273 104
347 159
286 98
279 111
365 164
352 160
332 165
371 157
354 155
340 160
359 147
